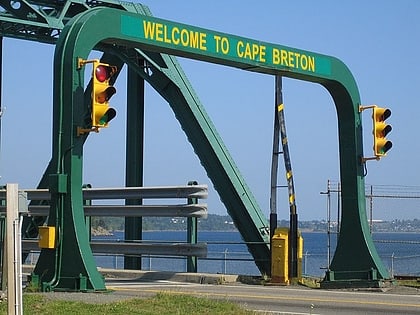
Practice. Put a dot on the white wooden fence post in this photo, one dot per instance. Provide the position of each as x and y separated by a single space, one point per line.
13 252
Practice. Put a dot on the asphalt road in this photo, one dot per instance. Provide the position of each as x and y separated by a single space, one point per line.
284 300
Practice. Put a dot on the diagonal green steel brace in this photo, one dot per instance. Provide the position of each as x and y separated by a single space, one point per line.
170 81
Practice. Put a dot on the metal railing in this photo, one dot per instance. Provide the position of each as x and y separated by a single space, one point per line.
188 209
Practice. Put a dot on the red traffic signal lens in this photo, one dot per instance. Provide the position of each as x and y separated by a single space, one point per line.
103 73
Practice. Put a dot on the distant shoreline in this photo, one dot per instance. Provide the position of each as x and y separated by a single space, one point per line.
216 223
104 232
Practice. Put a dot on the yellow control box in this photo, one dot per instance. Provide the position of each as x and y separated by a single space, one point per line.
280 256
46 237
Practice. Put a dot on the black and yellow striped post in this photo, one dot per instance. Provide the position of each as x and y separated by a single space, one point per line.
293 232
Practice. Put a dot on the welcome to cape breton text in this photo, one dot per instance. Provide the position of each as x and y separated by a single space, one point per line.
243 49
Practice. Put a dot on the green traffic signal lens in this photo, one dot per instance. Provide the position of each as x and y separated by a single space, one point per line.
386 147
108 116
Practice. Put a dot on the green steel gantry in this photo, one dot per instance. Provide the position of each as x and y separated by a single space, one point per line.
146 44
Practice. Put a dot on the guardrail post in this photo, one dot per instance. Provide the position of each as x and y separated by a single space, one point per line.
192 233
392 264
2 247
88 219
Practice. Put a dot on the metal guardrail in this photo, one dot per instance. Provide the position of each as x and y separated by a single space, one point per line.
164 192
120 248
189 210
161 192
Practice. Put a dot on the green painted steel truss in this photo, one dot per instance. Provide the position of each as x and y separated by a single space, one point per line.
133 36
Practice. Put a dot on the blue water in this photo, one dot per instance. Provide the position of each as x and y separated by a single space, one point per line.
400 253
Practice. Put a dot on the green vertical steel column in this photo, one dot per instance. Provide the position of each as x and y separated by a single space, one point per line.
30 224
356 261
70 265
134 155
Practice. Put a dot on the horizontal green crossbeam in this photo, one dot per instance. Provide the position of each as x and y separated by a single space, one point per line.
222 48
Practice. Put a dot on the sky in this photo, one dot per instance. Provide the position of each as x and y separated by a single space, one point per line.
375 39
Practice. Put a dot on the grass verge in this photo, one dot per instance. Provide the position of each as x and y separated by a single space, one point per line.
414 283
161 304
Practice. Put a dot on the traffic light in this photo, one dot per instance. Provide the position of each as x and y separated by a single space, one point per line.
102 91
380 129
